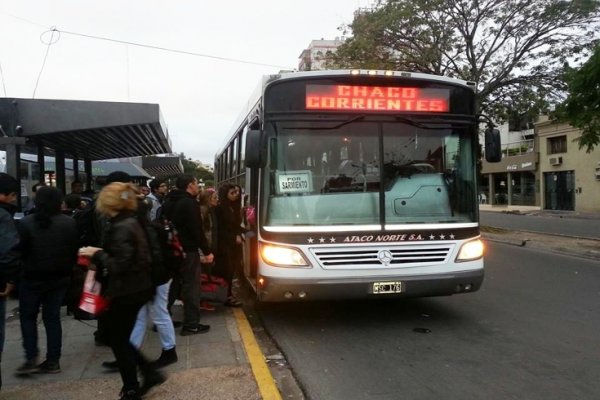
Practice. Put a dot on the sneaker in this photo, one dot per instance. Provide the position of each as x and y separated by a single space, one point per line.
233 302
193 330
130 395
28 367
49 367
206 306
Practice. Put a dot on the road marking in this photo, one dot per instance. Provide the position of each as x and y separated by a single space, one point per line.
264 379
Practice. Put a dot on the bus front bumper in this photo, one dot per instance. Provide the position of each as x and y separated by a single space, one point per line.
285 289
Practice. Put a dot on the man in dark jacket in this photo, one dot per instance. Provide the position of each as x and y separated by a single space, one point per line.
181 207
49 243
9 240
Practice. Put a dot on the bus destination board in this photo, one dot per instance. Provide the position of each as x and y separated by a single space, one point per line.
377 98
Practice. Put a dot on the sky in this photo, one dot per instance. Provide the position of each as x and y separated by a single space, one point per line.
200 97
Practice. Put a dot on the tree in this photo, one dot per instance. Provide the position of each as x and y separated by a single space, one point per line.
512 49
192 168
582 107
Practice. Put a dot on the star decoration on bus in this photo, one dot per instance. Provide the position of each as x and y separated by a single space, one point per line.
431 237
442 236
332 240
321 240
310 240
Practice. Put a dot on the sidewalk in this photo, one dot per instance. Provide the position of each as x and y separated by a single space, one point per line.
534 210
211 366
511 209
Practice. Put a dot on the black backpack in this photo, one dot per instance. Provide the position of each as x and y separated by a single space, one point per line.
88 226
165 249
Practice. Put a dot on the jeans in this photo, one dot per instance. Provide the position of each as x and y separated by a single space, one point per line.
49 295
190 289
157 310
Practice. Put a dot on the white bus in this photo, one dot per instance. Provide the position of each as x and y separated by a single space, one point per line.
364 184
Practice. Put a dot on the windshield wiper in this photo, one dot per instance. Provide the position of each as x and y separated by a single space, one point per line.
426 124
320 128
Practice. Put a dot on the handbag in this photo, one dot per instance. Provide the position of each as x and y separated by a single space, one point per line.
91 299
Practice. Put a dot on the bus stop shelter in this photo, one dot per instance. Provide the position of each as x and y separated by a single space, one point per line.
78 130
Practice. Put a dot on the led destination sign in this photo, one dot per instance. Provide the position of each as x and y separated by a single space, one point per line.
376 98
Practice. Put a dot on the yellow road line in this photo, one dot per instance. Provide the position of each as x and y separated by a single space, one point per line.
264 379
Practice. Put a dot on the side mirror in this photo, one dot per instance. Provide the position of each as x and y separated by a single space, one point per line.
254 149
493 152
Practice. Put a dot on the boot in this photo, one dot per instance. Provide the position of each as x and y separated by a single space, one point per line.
167 357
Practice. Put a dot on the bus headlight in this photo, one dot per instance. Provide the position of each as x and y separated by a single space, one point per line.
470 251
282 256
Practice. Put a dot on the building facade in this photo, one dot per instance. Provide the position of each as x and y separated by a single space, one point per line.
313 58
569 176
547 170
512 181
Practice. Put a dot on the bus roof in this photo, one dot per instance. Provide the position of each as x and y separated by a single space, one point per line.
365 72
292 75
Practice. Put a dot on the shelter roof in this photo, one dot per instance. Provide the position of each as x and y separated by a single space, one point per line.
86 129
162 166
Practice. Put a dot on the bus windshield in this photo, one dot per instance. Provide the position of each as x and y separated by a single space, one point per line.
369 172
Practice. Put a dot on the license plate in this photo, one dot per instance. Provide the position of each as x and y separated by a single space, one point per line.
387 287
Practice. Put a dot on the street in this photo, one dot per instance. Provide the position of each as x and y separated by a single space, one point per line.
529 333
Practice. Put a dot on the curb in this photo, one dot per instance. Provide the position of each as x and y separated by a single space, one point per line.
262 374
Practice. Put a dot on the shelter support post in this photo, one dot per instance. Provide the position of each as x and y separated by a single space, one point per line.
87 166
41 162
75 169
60 171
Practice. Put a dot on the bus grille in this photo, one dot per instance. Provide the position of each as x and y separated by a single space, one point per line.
382 256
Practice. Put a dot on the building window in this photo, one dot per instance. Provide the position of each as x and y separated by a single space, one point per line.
557 145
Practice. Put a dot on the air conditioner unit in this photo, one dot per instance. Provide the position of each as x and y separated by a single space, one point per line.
555 160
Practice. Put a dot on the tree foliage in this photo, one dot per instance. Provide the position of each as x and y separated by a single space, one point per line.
514 50
582 107
192 168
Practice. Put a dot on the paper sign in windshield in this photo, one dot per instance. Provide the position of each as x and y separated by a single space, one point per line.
294 182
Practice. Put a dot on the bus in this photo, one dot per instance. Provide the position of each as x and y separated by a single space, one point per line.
361 183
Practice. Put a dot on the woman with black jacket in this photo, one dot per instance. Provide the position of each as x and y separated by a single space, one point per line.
124 268
229 220
48 242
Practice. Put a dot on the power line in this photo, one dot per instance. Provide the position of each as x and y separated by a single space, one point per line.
43 63
191 53
25 20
